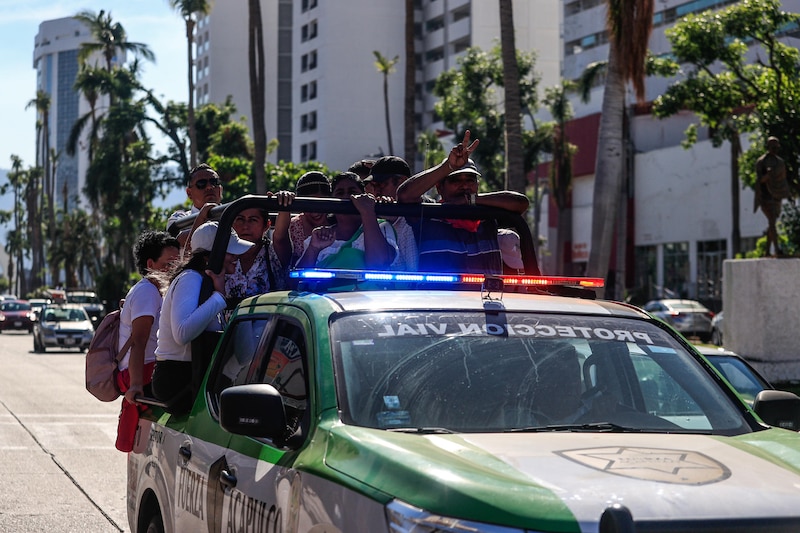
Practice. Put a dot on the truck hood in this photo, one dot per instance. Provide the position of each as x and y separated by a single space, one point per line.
551 481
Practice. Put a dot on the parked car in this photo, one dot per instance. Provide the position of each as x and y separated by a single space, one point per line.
36 306
8 297
690 317
747 381
716 329
62 326
90 302
15 314
474 404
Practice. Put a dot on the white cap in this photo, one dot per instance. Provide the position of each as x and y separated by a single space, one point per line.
203 240
509 248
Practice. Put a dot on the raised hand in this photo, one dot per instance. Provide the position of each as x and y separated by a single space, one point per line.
459 154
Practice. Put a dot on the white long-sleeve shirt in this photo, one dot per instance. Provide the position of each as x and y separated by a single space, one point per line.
182 320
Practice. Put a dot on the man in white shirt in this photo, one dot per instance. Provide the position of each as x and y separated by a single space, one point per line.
154 252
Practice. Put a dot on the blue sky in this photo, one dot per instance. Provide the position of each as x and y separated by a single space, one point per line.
151 22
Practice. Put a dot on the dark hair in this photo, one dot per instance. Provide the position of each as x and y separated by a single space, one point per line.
150 245
199 168
313 182
362 168
347 176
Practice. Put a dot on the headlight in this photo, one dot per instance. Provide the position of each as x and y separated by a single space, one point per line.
2 318
404 518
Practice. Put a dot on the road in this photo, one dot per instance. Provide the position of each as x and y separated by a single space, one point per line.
58 465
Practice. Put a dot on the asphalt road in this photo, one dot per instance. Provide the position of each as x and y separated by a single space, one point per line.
60 471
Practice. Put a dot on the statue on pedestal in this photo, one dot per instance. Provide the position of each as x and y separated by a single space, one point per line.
771 188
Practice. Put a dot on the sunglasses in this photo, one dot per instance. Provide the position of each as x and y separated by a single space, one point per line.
205 182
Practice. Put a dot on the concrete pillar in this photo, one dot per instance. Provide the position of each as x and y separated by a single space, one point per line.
761 302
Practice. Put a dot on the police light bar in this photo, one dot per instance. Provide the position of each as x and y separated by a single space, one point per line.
442 277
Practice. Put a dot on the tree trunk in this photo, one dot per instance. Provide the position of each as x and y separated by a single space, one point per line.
736 236
608 170
255 54
190 105
386 111
409 104
514 153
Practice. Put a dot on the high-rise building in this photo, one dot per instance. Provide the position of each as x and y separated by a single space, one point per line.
325 98
55 58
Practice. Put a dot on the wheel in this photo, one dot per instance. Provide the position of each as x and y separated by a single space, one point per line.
156 523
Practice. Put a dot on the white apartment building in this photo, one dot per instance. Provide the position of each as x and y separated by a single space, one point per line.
55 58
679 209
325 96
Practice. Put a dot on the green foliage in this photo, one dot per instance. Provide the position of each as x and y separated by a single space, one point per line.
468 101
743 96
4 284
210 121
429 145
789 227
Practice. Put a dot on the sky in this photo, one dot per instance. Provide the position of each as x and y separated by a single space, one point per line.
152 22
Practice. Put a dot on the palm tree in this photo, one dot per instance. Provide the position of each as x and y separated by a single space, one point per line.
409 108
386 66
561 170
255 55
36 200
629 23
190 10
92 82
515 178
109 38
15 245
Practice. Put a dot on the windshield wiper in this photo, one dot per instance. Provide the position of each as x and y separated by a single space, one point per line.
422 431
605 427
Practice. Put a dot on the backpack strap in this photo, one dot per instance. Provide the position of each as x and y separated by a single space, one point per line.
125 347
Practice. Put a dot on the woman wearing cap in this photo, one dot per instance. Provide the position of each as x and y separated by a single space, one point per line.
354 241
184 317
289 235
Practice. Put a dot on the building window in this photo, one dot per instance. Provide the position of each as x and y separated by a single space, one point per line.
434 24
308 151
710 255
646 275
304 122
312 120
676 270
308 4
312 90
308 61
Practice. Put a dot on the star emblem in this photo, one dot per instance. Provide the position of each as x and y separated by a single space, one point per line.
682 467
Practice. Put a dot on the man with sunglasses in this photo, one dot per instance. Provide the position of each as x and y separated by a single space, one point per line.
459 245
204 189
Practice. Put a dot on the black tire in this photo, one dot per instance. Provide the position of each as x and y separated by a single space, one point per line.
155 524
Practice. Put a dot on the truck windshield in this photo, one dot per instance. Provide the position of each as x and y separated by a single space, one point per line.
484 372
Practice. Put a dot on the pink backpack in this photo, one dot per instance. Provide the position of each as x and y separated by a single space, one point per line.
102 359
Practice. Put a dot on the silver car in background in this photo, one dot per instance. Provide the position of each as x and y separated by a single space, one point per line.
690 317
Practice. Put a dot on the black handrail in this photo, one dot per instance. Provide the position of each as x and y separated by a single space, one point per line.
226 213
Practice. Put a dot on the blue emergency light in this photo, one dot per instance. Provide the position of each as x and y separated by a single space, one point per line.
443 277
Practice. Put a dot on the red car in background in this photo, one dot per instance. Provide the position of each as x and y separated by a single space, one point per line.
16 315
